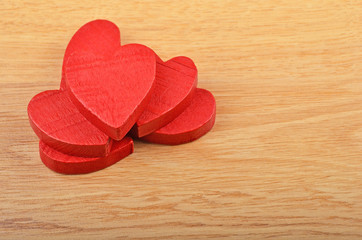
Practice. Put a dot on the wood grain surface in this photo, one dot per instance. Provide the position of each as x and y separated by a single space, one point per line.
283 161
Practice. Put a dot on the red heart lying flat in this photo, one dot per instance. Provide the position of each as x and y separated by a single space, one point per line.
191 124
100 37
175 85
66 164
59 124
112 91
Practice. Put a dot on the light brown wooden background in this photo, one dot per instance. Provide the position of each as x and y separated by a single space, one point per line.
283 161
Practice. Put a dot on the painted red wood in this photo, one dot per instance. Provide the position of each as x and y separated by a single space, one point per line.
66 164
58 123
100 37
175 85
112 91
191 124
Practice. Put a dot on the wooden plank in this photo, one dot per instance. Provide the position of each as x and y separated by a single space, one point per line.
283 160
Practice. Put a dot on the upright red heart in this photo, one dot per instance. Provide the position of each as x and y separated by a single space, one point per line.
191 124
59 124
112 91
67 164
175 85
100 37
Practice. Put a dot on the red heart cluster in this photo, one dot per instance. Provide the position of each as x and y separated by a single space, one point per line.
110 92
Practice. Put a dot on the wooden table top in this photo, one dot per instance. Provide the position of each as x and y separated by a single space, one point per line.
283 161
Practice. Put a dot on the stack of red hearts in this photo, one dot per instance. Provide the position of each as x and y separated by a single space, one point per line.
108 90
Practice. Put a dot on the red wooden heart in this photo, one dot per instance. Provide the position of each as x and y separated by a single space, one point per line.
191 124
175 85
112 91
59 124
66 164
100 37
